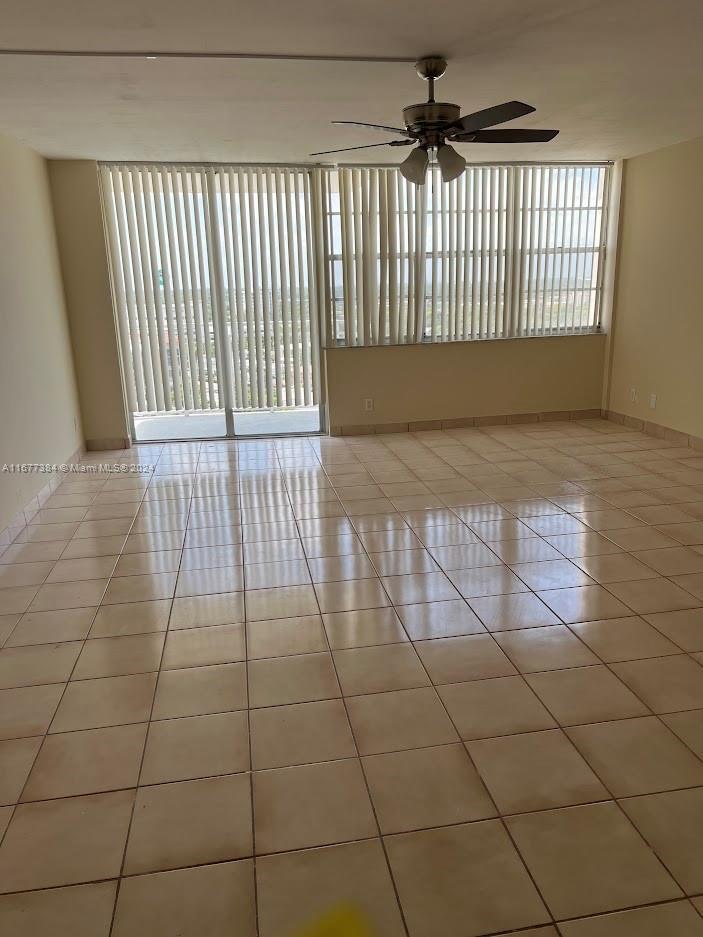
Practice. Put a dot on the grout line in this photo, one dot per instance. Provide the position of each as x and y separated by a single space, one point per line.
358 759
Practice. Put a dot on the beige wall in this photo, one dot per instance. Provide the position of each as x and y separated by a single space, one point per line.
657 341
435 382
39 419
78 213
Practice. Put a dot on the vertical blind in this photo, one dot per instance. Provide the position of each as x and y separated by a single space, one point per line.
500 252
228 279
213 288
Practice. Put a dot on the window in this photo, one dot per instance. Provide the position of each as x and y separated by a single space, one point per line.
227 279
501 252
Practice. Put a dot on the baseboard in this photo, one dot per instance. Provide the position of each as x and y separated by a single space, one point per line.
655 429
104 445
24 517
510 419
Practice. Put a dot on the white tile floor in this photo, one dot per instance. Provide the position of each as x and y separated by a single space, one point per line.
448 683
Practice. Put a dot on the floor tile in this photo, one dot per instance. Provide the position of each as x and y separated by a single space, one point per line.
24 574
16 760
148 564
465 556
551 574
535 771
209 581
401 562
683 627
280 637
86 762
336 568
671 824
629 638
585 694
8 624
672 561
652 595
470 657
364 628
64 842
298 679
196 747
590 543
108 701
195 647
387 722
311 805
200 611
446 886
42 663
585 603
486 581
665 684
676 917
487 708
508 612
300 734
198 691
17 599
637 756
640 538
139 588
74 911
439 619
376 669
190 823
692 582
60 595
28 710
577 856
217 900
112 621
425 788
689 728
90 567
114 657
295 888
614 567
420 587
285 602
554 648
51 627
528 550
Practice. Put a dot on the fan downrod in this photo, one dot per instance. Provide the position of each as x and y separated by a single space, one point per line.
430 68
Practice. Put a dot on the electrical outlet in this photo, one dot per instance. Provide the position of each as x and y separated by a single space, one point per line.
368 403
652 401
633 395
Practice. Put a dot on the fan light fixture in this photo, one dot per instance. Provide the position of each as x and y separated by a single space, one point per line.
434 125
451 163
414 168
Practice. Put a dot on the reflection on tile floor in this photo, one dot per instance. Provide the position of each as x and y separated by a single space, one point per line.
451 682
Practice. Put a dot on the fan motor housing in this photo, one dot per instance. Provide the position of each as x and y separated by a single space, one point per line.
429 115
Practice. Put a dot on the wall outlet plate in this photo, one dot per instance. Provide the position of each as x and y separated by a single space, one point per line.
368 403
652 401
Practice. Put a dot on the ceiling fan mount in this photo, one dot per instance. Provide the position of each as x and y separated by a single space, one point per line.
433 124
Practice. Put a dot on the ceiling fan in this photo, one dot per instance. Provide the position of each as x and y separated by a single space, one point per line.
432 125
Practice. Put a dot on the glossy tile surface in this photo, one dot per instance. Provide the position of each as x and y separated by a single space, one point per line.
451 680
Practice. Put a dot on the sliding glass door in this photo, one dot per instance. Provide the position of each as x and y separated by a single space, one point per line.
214 285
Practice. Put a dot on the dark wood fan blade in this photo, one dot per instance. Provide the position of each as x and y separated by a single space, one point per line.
366 146
506 136
358 123
491 116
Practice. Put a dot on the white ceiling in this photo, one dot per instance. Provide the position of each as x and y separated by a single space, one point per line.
617 77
